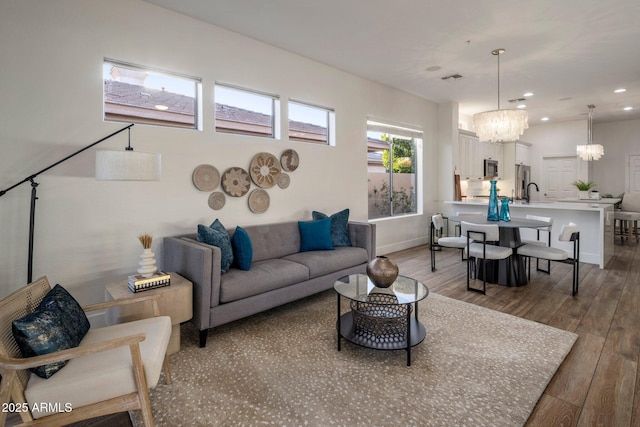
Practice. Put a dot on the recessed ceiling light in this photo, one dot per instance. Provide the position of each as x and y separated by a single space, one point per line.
161 107
545 119
527 94
522 106
565 99
628 108
620 90
434 68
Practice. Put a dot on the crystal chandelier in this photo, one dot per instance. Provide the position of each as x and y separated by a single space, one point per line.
590 151
500 125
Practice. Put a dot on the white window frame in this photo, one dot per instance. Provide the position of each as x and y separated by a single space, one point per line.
249 129
301 136
162 115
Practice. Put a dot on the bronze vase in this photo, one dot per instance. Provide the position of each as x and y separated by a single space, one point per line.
382 271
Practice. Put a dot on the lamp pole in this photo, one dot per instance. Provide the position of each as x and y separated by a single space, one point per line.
34 197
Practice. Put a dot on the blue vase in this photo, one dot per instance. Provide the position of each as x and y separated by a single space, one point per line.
504 210
492 212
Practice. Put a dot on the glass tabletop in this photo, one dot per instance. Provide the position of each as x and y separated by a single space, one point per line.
358 286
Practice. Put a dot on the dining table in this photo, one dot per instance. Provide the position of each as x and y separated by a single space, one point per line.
498 271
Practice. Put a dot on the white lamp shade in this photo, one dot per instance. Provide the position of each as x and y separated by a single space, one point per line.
127 166
500 125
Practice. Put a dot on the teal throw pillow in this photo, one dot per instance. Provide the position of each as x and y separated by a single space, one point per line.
242 249
218 238
339 228
73 316
315 235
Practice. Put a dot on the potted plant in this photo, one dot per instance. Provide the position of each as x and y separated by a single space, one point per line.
583 188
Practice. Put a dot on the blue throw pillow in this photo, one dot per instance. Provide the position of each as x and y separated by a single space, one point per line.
315 235
218 238
339 228
73 316
242 249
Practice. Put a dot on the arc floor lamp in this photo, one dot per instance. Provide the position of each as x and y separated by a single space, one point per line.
110 166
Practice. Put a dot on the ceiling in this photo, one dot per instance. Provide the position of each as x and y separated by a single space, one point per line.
569 53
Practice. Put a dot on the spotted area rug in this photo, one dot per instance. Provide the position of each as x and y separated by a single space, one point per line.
476 367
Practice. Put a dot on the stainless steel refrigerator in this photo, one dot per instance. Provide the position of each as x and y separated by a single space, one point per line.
523 178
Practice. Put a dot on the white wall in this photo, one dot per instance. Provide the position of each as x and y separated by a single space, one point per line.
86 231
619 139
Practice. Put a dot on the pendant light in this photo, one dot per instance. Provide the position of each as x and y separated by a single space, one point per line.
590 151
500 125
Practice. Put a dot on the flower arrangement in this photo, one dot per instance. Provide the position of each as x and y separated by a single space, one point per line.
146 240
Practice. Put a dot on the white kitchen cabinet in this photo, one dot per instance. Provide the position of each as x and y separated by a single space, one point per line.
471 153
522 153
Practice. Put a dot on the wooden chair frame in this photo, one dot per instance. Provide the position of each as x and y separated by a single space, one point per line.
15 373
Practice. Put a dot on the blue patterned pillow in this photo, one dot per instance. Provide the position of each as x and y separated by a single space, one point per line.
242 249
216 237
339 228
73 316
315 235
42 332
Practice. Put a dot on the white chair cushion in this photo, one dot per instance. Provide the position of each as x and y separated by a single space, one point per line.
492 251
492 232
627 216
535 242
438 221
543 252
566 231
105 375
631 202
453 242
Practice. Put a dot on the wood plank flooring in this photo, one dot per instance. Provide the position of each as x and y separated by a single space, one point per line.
599 382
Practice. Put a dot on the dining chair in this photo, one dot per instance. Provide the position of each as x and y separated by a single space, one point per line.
437 227
482 244
543 238
568 233
465 214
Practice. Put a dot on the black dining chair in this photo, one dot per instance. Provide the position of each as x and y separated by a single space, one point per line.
437 241
568 233
543 238
482 245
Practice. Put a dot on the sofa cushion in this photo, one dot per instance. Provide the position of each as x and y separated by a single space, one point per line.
325 262
242 249
315 235
339 230
215 237
264 276
75 385
274 240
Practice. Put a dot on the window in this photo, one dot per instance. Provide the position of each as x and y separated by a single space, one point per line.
392 153
310 123
246 112
138 94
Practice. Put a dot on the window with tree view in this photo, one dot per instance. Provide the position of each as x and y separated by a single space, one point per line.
392 169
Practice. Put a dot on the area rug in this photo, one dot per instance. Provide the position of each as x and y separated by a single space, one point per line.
476 367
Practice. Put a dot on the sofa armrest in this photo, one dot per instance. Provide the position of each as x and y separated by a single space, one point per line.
363 235
200 264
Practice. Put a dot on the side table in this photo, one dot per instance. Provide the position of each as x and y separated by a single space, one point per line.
176 302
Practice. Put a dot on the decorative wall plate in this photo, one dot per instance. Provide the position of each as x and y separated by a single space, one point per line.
283 180
217 200
206 177
289 160
236 182
264 170
259 201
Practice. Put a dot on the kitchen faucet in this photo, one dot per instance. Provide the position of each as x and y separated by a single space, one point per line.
528 196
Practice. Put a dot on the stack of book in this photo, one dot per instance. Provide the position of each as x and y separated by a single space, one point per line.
138 283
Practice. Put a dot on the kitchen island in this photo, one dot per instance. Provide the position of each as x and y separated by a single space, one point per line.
594 219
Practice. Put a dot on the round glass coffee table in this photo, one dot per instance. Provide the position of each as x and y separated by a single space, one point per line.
381 318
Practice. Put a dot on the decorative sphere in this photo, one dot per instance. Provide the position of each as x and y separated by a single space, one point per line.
382 271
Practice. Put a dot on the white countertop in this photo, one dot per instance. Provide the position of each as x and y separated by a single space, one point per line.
609 201
582 205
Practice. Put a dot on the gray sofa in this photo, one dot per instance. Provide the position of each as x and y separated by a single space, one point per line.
279 273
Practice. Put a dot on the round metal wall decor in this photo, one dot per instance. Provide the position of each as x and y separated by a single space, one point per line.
206 177
284 180
217 200
259 201
289 160
264 170
236 182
